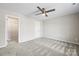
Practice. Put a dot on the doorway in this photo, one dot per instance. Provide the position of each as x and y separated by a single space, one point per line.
12 27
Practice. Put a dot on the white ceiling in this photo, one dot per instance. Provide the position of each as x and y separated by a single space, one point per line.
28 9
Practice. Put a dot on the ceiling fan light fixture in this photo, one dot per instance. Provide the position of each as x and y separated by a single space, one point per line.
43 14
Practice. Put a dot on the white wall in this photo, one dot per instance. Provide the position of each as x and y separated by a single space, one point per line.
38 29
27 27
2 31
65 28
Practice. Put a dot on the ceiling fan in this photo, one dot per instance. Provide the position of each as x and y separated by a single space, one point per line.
44 11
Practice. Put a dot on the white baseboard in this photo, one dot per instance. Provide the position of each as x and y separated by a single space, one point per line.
28 40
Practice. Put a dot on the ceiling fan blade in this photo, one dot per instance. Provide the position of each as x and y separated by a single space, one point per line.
40 9
50 10
38 13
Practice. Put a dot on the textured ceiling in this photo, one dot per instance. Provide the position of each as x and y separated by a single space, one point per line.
28 9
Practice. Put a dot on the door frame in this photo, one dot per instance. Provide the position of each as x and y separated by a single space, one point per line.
6 34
